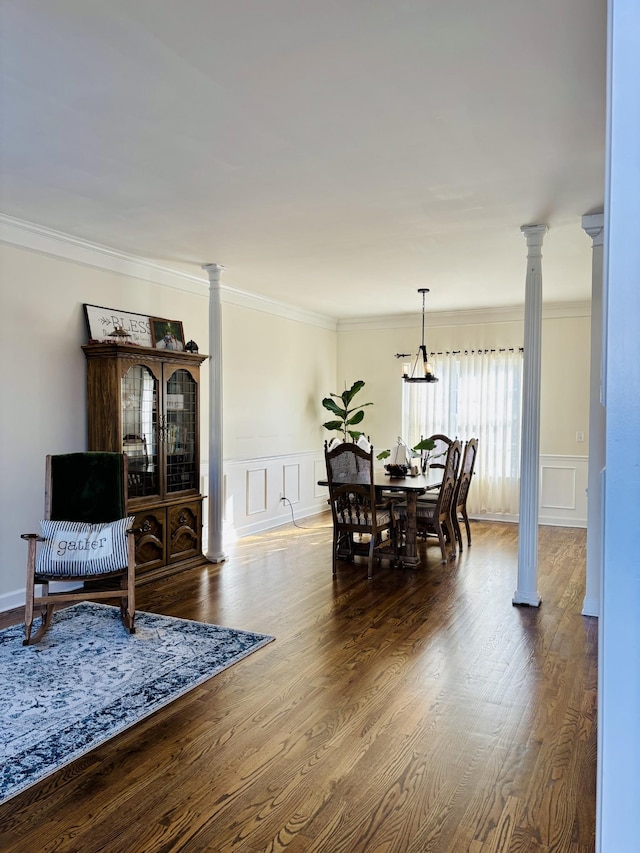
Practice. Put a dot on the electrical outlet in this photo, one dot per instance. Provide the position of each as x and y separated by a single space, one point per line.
282 497
580 436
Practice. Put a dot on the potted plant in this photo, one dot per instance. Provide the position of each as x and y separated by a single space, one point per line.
346 415
401 463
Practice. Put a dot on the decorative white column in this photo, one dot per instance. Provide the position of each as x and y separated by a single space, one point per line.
526 592
215 552
593 224
618 781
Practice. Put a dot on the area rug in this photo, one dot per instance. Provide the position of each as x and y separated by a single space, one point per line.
88 680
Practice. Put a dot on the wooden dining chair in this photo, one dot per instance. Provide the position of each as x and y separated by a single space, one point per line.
437 456
437 519
434 513
85 536
459 510
445 454
352 496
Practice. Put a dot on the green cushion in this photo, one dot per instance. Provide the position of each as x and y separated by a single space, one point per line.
87 487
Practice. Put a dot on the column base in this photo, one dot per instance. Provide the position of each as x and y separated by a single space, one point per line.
216 558
530 599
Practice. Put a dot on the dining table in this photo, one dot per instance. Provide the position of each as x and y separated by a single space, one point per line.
411 487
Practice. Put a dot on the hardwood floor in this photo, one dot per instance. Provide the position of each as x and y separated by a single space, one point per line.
419 711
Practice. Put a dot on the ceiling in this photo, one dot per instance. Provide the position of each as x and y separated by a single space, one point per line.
332 154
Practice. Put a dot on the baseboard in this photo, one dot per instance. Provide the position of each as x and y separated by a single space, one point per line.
15 600
279 521
12 600
591 607
494 516
14 616
563 522
547 520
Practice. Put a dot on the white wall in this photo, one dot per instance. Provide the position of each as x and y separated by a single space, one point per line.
276 369
278 364
276 372
565 385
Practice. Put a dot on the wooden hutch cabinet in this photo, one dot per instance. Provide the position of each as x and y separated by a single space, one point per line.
145 402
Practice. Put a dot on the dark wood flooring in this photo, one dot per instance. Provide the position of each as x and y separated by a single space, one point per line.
419 711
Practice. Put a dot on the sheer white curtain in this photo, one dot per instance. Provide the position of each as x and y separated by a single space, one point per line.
479 395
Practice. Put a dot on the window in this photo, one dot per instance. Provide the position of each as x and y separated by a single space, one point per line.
479 395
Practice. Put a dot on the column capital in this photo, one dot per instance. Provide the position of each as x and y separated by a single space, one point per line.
534 234
593 224
213 271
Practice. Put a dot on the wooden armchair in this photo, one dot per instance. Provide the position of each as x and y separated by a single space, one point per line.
352 496
85 536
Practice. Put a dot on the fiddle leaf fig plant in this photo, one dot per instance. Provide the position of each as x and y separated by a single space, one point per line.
346 415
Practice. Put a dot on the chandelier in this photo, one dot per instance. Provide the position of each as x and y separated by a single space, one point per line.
422 369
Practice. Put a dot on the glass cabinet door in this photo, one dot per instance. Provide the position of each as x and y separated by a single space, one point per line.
180 432
140 430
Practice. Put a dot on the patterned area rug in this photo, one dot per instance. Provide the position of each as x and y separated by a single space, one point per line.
88 680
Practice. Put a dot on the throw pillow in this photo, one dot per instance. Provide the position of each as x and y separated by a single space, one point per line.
75 548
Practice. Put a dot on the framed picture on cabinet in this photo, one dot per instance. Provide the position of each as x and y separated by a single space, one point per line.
110 324
166 334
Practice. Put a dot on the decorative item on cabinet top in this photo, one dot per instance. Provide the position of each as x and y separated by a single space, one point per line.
112 326
166 334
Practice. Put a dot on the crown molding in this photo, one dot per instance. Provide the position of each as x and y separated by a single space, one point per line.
264 304
471 317
557 310
37 238
46 241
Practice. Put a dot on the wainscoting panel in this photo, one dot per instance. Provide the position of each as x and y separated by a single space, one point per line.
563 493
253 488
256 493
563 490
291 482
557 488
320 473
